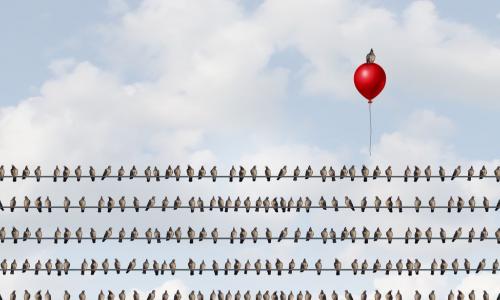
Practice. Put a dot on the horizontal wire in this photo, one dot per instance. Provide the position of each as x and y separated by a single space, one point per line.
237 177
249 239
263 270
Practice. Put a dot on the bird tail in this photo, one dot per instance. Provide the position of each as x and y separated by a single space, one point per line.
119 179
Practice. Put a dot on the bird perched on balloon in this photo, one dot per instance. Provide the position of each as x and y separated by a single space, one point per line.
369 79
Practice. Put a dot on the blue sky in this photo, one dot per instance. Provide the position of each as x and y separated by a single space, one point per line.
223 82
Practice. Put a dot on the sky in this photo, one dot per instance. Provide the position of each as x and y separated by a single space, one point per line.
227 83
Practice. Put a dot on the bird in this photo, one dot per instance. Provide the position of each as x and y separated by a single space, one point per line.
416 174
323 173
92 173
483 172
388 173
242 173
456 172
131 266
309 172
14 172
38 173
190 173
133 172
26 172
376 172
66 173
253 173
352 172
370 58
121 173
481 265
348 203
457 234
407 173
432 204
267 172
365 173
147 173
156 173
497 173
442 173
232 173
2 172
106 173
318 266
282 173
354 266
470 173
296 173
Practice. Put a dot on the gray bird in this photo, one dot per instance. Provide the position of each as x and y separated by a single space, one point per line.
190 173
213 173
407 173
92 173
497 173
106 173
442 173
147 173
131 266
282 173
309 172
376 172
370 58
432 204
354 266
66 173
472 203
242 173
156 173
177 173
416 174
456 172
26 172
14 173
470 173
232 173
253 172
202 172
389 234
2 172
352 172
267 172
481 265
318 266
483 172
365 172
133 172
323 173
296 173
121 173
388 173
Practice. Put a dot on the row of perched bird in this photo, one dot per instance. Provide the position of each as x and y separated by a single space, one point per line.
243 235
240 174
266 204
64 267
265 295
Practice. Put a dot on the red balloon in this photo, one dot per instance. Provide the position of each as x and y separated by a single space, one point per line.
369 80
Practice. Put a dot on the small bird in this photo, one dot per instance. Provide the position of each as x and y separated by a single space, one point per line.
442 234
470 173
267 172
481 265
309 172
2 172
156 173
365 173
352 172
190 173
318 266
457 234
57 172
442 173
133 172
253 172
13 172
407 173
370 58
296 173
106 173
121 173
354 266
282 173
242 173
483 172
323 173
497 173
376 172
388 173
66 173
432 204
416 174
456 172
92 173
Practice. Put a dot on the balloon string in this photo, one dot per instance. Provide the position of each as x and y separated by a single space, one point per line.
370 112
